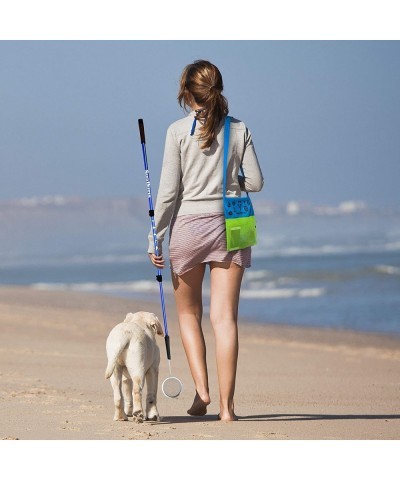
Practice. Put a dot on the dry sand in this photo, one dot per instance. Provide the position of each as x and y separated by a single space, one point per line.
292 383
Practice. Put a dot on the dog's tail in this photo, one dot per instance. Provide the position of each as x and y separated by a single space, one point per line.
114 357
109 369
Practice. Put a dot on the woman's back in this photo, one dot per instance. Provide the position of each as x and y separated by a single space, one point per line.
200 183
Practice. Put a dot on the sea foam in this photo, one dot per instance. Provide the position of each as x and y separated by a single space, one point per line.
283 293
391 270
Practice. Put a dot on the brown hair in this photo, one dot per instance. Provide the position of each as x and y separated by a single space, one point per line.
201 81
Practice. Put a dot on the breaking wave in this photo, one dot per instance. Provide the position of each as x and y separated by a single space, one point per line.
140 286
283 293
328 249
391 270
151 287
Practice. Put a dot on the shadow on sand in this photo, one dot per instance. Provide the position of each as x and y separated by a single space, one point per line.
277 417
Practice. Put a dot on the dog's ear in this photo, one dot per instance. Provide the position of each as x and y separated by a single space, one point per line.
129 317
156 326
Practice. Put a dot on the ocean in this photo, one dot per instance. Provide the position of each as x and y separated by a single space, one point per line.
330 267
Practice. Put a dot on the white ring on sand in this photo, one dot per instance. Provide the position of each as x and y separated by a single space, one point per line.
180 390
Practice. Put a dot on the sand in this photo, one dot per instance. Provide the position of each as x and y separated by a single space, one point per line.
292 382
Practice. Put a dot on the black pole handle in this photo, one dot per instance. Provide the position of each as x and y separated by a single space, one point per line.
141 129
167 347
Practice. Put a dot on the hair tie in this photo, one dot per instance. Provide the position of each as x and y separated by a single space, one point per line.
200 110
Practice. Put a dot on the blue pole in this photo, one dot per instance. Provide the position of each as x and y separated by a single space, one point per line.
153 228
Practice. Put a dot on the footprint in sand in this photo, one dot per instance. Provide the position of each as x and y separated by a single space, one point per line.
68 426
202 435
141 435
271 435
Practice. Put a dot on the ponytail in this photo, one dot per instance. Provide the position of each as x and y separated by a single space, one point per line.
202 83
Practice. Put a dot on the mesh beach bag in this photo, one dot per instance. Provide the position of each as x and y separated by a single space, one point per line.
240 222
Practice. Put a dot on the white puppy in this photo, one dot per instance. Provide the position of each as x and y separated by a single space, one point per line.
133 356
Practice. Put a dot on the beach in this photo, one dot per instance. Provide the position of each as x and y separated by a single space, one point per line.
292 382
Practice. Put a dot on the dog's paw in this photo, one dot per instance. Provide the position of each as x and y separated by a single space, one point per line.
152 415
120 418
138 417
154 418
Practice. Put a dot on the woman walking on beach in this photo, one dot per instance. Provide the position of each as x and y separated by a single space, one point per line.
190 202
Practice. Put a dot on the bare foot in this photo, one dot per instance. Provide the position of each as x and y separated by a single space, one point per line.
199 406
227 417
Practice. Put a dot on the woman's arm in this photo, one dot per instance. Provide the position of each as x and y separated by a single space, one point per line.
167 191
253 180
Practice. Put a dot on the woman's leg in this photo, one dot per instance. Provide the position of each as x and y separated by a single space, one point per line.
188 298
225 282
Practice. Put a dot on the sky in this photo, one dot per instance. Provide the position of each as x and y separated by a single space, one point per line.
324 115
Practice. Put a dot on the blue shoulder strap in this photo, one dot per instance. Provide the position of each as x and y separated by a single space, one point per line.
227 129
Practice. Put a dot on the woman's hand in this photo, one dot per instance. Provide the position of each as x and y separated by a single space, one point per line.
157 261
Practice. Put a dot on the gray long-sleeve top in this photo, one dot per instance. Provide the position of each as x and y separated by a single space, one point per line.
191 178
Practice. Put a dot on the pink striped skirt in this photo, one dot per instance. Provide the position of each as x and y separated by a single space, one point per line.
201 238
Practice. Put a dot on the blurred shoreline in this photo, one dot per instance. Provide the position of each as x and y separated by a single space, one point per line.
329 266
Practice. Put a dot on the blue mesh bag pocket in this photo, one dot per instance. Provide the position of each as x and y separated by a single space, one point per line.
240 222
